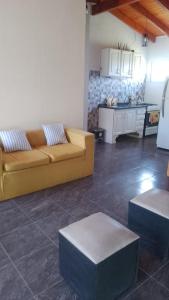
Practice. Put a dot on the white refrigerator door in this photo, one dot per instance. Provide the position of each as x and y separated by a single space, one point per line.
163 128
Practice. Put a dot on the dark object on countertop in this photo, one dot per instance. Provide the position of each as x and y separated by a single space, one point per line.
99 134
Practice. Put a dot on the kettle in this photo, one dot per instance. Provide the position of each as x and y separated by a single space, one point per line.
111 101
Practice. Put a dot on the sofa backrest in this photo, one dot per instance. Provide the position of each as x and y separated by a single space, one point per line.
36 138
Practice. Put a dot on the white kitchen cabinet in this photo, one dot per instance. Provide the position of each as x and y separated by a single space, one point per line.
122 121
110 62
116 62
137 60
130 125
139 66
118 121
126 63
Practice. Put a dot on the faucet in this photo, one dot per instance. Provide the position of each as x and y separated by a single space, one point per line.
129 99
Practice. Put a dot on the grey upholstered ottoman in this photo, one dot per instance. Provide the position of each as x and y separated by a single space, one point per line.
98 257
149 216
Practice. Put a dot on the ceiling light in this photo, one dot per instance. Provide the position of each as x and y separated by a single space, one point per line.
145 40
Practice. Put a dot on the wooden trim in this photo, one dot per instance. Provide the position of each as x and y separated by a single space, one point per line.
124 18
138 7
110 4
165 3
92 1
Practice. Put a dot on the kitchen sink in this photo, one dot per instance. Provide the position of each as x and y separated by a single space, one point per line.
126 105
129 105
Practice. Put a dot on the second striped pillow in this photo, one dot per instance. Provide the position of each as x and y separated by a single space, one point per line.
54 134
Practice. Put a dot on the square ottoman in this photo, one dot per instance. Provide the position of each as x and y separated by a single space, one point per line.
98 257
149 216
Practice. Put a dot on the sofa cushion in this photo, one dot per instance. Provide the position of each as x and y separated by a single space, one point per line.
62 152
36 138
23 160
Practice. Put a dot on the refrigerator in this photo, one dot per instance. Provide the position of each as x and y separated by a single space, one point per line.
163 128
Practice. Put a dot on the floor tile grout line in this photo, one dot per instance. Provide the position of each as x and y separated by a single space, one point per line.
35 222
136 288
42 231
149 277
18 272
161 267
28 216
13 230
33 251
160 283
136 181
16 229
49 287
4 266
38 227
145 272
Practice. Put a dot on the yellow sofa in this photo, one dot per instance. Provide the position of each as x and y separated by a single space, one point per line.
23 172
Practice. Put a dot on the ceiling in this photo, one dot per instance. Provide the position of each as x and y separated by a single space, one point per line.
149 17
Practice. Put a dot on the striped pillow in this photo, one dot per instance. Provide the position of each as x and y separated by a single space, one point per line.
14 140
54 134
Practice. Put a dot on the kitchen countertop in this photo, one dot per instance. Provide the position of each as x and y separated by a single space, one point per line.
125 106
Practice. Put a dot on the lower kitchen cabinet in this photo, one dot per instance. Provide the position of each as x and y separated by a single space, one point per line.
117 122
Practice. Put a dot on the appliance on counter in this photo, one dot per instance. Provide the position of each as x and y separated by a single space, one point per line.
163 129
152 117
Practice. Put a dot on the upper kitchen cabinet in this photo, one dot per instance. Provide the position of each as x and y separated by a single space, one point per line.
111 62
126 63
139 66
121 63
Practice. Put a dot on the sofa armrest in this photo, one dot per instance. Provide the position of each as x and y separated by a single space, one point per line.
1 162
1 173
79 137
84 140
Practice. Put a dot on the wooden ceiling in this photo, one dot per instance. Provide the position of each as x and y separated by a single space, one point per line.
149 17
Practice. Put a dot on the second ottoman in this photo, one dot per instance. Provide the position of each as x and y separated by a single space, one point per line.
149 216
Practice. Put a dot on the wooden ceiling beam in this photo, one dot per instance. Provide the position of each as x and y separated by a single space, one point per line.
142 10
124 18
92 1
165 3
110 4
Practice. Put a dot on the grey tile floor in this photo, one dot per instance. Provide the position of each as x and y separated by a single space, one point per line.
29 224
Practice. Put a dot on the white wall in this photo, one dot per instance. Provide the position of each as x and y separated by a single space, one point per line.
106 31
41 62
158 69
85 122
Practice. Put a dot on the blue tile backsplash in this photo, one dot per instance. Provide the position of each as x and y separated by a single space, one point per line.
103 87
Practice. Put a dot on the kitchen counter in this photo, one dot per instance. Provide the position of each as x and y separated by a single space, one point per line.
123 118
125 106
